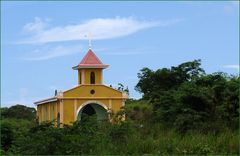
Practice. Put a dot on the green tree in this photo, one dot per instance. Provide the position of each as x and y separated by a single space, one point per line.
186 98
153 84
19 112
7 136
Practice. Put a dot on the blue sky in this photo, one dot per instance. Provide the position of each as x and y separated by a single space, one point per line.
41 41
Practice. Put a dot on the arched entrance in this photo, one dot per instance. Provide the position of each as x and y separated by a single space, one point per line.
92 109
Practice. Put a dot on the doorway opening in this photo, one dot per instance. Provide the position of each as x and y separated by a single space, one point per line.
93 110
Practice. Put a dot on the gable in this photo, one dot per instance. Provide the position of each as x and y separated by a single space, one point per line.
99 91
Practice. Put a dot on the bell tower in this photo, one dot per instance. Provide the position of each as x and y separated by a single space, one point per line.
90 69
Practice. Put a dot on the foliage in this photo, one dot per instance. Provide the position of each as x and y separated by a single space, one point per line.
19 112
152 84
138 110
103 138
11 131
122 88
186 98
15 123
183 111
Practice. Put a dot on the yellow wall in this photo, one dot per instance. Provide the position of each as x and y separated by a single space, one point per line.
116 105
85 76
47 111
68 111
100 91
71 101
103 94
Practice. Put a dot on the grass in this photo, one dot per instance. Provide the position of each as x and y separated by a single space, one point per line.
171 142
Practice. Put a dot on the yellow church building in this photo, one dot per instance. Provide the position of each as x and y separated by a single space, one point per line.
89 97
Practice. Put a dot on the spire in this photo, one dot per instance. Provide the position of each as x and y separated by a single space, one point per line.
89 36
90 60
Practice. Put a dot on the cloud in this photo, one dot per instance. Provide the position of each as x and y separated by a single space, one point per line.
100 28
37 26
46 52
234 66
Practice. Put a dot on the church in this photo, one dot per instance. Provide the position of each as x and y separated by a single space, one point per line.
90 96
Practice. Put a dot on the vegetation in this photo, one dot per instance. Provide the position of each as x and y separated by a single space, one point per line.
183 111
15 123
185 98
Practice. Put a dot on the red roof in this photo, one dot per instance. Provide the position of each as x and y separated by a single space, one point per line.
90 60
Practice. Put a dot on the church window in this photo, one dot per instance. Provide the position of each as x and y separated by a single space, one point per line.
92 78
92 91
80 78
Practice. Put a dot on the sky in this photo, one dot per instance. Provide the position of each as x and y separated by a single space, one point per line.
42 41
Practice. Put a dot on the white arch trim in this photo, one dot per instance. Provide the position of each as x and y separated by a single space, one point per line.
90 102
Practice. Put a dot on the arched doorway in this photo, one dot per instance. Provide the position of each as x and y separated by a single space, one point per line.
93 109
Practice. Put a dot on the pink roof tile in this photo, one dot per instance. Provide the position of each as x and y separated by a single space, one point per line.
91 60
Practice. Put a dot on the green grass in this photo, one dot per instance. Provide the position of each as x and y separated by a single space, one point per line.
171 142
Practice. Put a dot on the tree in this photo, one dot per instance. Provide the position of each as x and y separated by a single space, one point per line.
122 88
185 97
7 136
153 83
19 112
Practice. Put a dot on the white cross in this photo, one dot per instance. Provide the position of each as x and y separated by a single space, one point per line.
89 36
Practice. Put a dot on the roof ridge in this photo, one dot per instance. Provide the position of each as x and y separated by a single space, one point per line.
90 58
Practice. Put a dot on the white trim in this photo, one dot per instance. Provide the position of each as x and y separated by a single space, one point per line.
61 111
89 66
45 101
91 102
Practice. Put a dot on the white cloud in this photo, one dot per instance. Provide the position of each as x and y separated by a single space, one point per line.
47 52
100 28
37 26
234 66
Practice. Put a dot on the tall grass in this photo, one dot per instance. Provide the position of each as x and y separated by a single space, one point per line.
126 138
160 141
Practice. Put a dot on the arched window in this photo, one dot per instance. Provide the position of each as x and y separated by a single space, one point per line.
92 78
